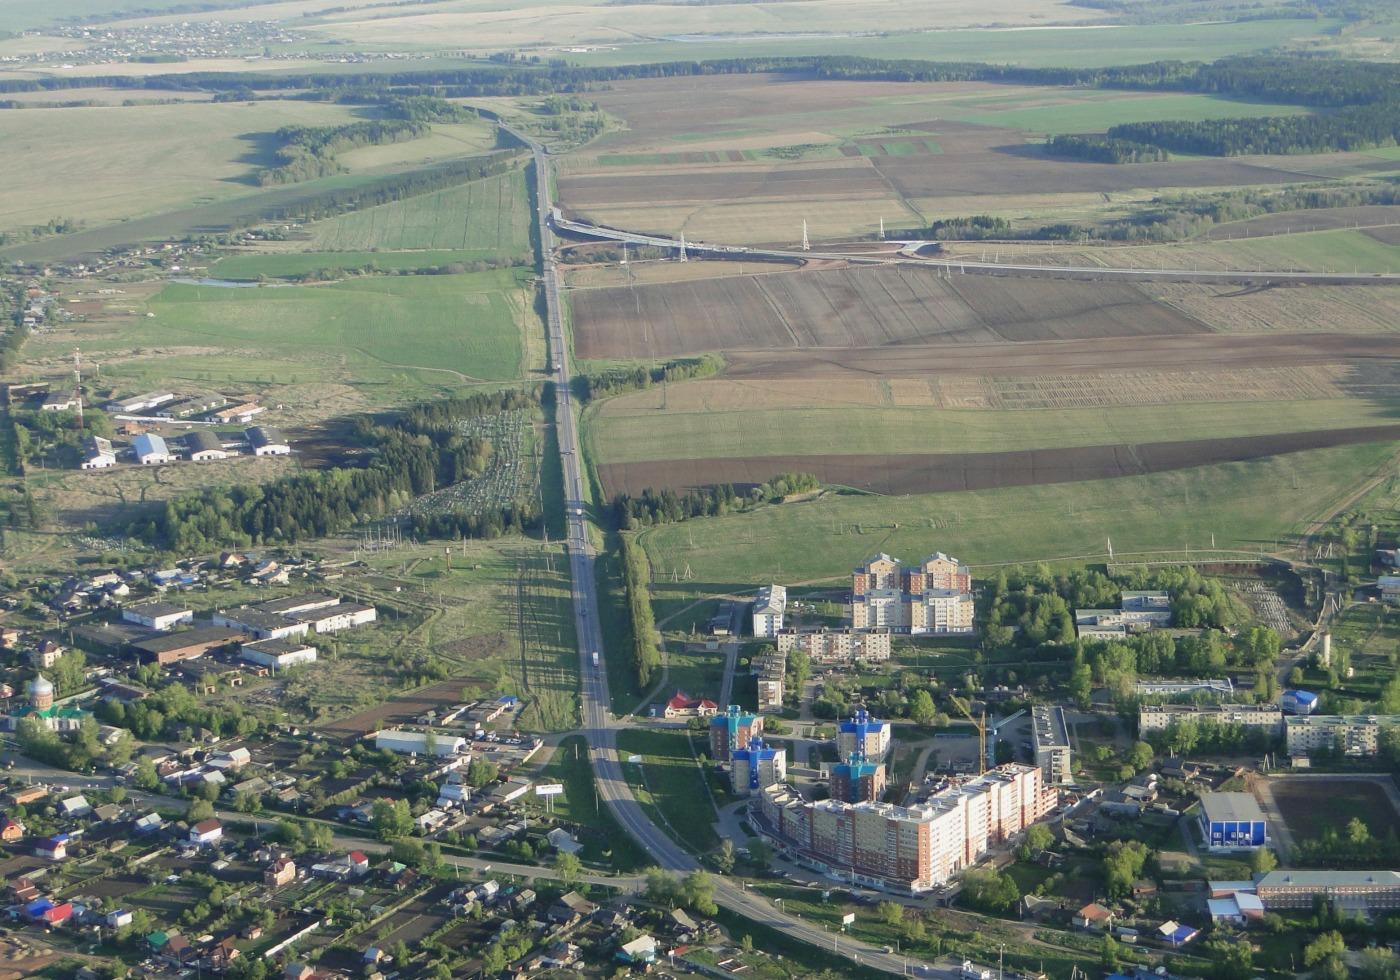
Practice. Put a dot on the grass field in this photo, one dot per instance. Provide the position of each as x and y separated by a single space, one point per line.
489 215
111 163
1369 635
463 326
670 780
580 803
1319 251
1251 506
631 428
1347 799
273 265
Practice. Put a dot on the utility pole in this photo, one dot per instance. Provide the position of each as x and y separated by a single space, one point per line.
806 243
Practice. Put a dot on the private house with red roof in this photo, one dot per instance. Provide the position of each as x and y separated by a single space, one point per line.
682 705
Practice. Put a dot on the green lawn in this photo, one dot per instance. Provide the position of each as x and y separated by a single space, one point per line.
670 781
463 326
491 214
1248 506
580 803
630 429
284 265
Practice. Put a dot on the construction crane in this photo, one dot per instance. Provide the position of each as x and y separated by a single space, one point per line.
978 723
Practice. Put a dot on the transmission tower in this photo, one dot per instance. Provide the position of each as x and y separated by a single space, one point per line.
624 253
683 246
806 243
882 229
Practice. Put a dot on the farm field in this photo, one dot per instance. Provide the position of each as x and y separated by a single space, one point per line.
1322 219
466 327
857 308
489 215
106 164
930 472
1251 506
631 428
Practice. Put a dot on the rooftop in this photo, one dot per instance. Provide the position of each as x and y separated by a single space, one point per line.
207 635
1327 721
1231 807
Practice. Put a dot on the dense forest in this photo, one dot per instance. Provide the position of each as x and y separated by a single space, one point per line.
416 453
1354 128
668 507
1106 149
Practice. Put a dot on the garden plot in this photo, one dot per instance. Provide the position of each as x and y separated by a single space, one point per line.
507 477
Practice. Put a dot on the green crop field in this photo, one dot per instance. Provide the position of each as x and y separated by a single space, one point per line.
491 214
441 329
1079 111
631 429
1250 506
1318 251
273 265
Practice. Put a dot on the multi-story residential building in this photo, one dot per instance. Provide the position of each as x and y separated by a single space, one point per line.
1052 749
828 646
732 730
905 849
933 597
756 767
1389 586
863 736
770 667
1158 717
768 610
857 780
1356 735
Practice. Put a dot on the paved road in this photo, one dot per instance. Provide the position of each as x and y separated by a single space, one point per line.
600 729
959 266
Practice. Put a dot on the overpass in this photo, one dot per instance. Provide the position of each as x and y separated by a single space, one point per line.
905 256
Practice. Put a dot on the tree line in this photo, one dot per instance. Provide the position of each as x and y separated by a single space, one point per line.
1106 149
308 152
616 381
1353 128
636 578
668 507
412 455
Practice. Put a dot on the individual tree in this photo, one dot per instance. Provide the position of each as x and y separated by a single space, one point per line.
890 913
568 866
1262 861
482 771
1140 756
921 709
698 891
199 810
391 819
724 859
1081 682
1327 945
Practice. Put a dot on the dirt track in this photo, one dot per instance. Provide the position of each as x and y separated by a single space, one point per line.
944 472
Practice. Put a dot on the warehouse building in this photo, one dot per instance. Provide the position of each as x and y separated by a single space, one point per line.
263 625
332 619
203 445
420 743
186 644
151 450
277 654
267 441
98 454
1232 822
157 615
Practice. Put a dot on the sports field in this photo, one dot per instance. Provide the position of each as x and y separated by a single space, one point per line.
1251 506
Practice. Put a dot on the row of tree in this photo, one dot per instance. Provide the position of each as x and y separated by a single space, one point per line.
638 377
415 454
668 507
1106 149
1353 128
636 579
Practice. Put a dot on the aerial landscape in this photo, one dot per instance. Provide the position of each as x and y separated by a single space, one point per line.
745 488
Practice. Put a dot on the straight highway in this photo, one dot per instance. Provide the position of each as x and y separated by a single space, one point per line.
599 727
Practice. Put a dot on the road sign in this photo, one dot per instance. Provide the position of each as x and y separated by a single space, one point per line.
848 919
634 758
549 789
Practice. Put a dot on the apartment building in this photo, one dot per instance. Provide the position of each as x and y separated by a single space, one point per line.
770 667
768 610
828 646
905 849
755 767
934 596
1158 717
1052 749
1137 613
1354 735
857 780
863 736
732 730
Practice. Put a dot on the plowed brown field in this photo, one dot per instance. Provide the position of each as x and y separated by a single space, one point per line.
945 472
857 308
